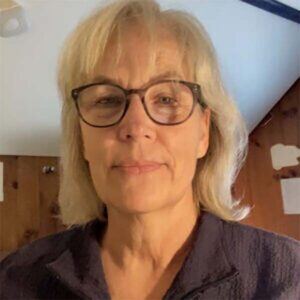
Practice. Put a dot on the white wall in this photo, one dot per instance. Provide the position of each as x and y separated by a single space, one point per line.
259 55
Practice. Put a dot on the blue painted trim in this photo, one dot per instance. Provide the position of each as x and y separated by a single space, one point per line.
277 8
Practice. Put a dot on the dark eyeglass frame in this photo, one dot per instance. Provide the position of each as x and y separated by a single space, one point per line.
194 87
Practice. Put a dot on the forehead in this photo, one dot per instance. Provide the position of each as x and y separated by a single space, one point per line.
134 66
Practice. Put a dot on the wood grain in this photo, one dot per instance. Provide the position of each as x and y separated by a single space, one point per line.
258 180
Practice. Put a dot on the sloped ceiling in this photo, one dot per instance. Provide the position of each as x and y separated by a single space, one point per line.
291 3
258 52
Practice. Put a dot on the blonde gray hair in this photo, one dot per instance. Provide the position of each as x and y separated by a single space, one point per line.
228 140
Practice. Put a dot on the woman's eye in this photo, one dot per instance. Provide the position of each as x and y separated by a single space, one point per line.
109 101
167 100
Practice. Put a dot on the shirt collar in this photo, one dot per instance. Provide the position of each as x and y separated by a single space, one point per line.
80 266
207 264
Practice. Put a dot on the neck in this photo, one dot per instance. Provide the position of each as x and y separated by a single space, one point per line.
151 240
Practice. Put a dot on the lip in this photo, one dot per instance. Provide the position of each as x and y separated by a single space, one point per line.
136 163
139 169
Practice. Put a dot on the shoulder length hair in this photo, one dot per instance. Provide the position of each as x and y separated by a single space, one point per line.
228 141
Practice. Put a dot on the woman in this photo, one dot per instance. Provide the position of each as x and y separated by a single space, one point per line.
152 144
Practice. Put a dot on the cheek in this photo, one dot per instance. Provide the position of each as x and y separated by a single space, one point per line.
96 157
97 151
99 177
183 151
93 145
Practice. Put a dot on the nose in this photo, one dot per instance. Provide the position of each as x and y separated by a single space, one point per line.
135 107
136 123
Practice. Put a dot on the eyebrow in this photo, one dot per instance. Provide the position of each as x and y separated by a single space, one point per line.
164 75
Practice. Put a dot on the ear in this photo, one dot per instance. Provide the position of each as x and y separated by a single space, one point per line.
204 130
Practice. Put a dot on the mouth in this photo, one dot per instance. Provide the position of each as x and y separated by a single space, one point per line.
138 169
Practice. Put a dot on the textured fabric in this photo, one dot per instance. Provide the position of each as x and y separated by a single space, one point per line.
228 260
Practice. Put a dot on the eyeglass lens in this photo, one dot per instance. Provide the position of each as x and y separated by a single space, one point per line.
166 102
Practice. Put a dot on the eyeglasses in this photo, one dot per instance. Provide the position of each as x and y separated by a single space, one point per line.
166 102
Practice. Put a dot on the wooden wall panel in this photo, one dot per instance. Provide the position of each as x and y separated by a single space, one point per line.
30 201
258 180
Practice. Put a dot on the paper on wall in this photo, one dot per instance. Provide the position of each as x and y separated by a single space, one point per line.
290 190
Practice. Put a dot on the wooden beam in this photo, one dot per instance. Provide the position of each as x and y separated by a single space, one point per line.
277 8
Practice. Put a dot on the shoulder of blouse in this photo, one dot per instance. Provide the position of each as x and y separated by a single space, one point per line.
267 260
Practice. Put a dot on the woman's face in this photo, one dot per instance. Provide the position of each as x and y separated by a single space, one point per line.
137 137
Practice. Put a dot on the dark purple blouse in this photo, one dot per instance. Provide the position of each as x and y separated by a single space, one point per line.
228 260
